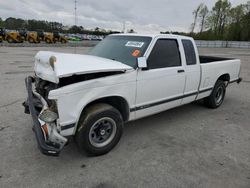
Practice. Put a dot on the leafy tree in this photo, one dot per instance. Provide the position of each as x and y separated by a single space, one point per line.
13 23
235 23
219 16
246 22
1 23
76 29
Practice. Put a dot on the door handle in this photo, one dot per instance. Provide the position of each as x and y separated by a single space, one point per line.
180 71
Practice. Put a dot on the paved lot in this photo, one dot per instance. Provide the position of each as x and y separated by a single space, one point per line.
190 146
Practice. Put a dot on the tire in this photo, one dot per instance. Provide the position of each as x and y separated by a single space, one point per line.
19 40
217 96
31 40
48 41
99 129
10 40
63 41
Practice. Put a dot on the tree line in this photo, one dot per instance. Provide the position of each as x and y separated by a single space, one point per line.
33 25
222 22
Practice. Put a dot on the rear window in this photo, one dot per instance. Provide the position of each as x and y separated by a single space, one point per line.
189 52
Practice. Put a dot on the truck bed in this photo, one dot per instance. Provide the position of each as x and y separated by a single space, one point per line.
210 59
214 67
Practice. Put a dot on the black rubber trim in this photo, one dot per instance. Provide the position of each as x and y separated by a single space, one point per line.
42 145
63 128
168 100
239 80
206 90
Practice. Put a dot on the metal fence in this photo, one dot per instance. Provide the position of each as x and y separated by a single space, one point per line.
222 44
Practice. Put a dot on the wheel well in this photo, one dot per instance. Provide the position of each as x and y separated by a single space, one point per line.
117 102
224 77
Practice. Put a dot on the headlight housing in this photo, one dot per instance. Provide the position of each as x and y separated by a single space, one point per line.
48 116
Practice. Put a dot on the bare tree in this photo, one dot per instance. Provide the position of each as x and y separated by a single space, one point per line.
195 13
203 16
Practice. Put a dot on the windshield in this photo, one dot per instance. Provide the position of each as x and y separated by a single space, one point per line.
124 49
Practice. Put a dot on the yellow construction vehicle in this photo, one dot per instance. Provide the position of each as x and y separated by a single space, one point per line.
14 37
23 34
48 37
40 34
58 37
33 37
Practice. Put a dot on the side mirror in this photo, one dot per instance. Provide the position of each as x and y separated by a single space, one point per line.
142 62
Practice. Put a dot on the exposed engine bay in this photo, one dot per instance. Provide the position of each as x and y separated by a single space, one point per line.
43 87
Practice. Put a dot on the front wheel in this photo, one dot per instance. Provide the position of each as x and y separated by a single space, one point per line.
217 96
100 129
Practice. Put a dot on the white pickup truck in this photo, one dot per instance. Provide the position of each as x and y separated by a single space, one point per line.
125 77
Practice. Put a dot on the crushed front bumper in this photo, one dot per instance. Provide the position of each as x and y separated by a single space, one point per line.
31 106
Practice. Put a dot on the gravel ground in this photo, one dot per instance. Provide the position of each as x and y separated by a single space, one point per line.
190 146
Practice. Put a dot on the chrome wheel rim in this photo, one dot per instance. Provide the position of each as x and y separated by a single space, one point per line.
219 95
102 132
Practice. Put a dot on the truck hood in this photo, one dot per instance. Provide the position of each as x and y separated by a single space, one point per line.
51 66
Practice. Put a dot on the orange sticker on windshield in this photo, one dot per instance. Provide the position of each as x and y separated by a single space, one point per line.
136 53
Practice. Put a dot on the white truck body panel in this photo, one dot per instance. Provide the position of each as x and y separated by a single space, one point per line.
212 71
146 92
72 99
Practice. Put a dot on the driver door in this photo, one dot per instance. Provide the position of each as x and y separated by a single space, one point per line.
161 86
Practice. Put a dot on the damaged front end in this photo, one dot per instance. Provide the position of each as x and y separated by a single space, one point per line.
44 115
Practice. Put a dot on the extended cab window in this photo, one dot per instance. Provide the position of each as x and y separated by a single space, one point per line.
164 54
189 52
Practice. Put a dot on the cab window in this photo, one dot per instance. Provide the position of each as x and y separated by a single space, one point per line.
189 52
164 54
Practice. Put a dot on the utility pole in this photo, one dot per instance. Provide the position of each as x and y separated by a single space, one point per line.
75 22
124 27
75 12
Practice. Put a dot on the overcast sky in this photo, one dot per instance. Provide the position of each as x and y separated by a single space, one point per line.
141 15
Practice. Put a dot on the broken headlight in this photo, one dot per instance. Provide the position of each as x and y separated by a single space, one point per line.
48 116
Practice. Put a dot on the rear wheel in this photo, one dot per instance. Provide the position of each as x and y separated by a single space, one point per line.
217 96
100 129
